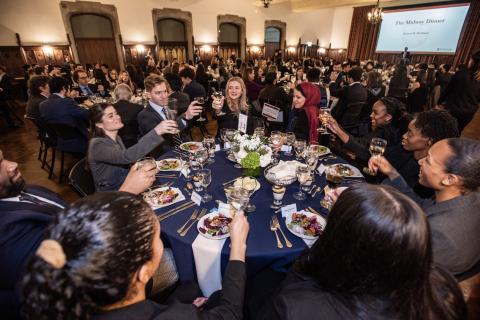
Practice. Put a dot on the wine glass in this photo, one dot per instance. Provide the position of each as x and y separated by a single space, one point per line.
200 101
223 136
304 175
290 140
311 159
299 146
217 97
377 148
202 156
276 143
259 132
250 206
209 144
237 197
145 162
334 178
171 111
324 117
206 180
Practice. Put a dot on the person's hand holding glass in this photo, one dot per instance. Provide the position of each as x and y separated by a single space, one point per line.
324 117
217 103
334 178
377 148
201 102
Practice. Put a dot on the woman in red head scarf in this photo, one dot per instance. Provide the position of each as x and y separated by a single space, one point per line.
303 120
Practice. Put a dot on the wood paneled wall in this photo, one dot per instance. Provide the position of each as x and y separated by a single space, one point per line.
135 57
93 50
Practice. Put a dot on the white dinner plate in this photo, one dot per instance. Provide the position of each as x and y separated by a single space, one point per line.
186 146
356 172
180 197
201 224
177 168
321 220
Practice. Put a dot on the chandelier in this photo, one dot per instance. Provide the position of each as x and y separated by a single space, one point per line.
266 3
376 14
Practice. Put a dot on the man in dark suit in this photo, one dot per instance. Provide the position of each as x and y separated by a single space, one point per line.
354 92
275 96
39 92
190 85
26 211
60 109
183 100
158 91
85 88
5 96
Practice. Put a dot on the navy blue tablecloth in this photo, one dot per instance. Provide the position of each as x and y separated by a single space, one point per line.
262 251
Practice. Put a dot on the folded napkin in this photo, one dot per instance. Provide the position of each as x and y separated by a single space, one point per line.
285 169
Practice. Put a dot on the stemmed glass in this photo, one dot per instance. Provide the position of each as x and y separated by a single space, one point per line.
276 142
223 136
202 156
200 101
324 117
290 140
197 178
304 176
377 148
209 144
311 159
299 146
250 206
237 197
334 179
217 96
259 132
206 175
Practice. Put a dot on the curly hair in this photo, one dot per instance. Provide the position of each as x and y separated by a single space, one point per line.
465 161
436 125
106 238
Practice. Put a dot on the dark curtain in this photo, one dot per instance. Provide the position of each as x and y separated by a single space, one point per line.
363 35
470 39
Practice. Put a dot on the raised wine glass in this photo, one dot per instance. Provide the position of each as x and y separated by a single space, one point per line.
377 148
217 97
201 102
171 111
324 116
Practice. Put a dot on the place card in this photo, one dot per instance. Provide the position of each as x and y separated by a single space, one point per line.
286 148
288 210
242 123
185 171
217 147
196 198
321 169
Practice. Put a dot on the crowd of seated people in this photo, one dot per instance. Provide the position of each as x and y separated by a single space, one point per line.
425 160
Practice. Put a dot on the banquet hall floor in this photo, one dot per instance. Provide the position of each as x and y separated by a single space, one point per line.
21 145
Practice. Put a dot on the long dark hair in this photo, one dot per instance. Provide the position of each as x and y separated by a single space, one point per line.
106 238
375 251
96 113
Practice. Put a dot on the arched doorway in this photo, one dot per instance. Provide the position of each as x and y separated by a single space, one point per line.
94 39
229 40
273 37
172 40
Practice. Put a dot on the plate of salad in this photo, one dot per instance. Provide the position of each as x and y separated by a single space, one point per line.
192 146
305 224
215 226
170 164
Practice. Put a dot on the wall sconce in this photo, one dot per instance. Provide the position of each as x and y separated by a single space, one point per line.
340 50
322 50
207 48
140 48
255 49
309 44
47 51
291 49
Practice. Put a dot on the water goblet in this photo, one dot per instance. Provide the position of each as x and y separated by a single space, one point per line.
238 198
206 180
201 102
299 146
209 144
304 174
251 190
290 139
202 156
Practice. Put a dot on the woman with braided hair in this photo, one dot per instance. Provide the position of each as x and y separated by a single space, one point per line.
99 256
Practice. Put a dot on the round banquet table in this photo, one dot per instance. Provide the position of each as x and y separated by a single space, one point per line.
261 243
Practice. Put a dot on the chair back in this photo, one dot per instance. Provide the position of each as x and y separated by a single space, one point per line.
81 179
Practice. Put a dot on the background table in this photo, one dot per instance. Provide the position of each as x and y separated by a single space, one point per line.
261 243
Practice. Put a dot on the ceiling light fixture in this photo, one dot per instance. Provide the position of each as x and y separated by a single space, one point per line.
375 16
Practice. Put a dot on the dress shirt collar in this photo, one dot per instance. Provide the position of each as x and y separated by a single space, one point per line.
159 109
58 94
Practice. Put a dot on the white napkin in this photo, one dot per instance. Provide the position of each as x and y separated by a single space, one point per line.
321 169
207 254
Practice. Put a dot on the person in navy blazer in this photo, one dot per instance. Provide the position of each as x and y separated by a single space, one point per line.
26 211
59 108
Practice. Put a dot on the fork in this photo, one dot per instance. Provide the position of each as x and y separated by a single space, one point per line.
192 217
277 225
273 227
202 213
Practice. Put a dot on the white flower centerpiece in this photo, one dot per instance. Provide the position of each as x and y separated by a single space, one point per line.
251 152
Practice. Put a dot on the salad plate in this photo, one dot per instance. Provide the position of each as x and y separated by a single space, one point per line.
162 197
191 146
170 164
306 225
214 226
